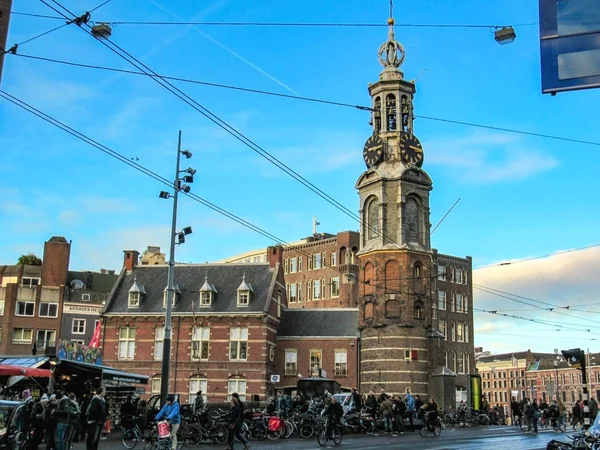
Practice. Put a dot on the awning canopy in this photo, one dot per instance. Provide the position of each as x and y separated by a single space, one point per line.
105 372
10 370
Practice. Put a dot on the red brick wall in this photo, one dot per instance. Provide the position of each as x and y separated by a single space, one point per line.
217 370
328 347
55 263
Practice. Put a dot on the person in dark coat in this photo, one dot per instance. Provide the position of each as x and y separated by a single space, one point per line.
334 412
95 419
50 422
234 425
37 422
81 429
399 414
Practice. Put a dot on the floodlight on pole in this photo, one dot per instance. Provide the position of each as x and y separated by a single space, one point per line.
505 35
188 178
101 31
177 186
191 171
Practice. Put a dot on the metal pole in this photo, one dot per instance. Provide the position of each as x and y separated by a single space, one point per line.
5 8
586 407
164 374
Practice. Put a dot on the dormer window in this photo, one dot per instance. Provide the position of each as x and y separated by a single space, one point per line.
244 292
176 292
207 293
136 292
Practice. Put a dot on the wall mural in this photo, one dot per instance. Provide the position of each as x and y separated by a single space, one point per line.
77 352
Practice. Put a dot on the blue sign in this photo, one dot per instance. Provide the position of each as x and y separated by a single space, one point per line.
569 44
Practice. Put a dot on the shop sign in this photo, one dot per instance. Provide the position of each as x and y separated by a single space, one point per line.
82 309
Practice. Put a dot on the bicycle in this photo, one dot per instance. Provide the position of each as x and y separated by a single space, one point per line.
325 435
163 441
131 433
436 429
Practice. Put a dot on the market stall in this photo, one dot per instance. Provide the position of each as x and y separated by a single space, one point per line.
24 372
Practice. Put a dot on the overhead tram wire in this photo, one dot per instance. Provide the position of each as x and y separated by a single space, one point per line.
329 102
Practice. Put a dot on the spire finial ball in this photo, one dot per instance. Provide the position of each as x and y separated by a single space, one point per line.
391 21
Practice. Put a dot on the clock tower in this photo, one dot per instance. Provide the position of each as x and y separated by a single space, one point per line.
397 273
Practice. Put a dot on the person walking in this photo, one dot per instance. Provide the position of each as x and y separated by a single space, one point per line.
171 413
234 425
142 412
198 403
64 414
515 408
410 409
50 422
399 413
562 415
95 419
73 421
386 408
37 423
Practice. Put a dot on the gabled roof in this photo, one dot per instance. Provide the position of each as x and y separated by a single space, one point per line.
190 278
503 357
333 322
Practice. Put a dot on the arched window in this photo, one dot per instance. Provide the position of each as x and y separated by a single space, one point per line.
236 384
197 384
390 111
368 310
392 309
372 219
419 310
155 384
392 277
412 219
369 279
377 114
343 256
417 270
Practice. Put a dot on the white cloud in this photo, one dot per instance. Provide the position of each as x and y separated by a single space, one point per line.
489 157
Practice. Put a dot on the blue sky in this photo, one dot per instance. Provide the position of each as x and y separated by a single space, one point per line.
520 196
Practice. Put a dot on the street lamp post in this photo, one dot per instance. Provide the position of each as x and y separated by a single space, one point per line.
177 186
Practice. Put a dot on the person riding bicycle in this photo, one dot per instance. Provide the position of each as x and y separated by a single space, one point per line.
431 413
334 413
170 412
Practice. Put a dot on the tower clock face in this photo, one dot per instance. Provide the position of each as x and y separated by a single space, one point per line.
411 149
373 150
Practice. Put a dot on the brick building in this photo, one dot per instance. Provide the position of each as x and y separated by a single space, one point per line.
312 340
225 319
31 301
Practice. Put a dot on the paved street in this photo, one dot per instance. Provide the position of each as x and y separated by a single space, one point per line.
451 438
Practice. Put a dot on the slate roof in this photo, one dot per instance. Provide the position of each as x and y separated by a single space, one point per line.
503 357
190 277
94 281
319 323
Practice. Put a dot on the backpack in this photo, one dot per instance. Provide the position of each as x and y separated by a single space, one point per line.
526 408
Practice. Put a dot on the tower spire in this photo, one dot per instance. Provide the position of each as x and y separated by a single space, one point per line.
391 53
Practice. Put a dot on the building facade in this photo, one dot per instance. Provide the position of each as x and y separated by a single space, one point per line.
225 320
31 301
399 298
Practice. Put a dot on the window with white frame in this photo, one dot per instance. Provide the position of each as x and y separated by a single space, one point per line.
442 300
323 288
1 307
243 298
293 265
86 297
309 260
238 343
200 342
159 337
30 282
465 304
443 328
460 367
454 361
78 326
335 286
292 293
341 363
445 359
434 314
286 265
452 303
25 309
333 259
441 270
133 300
309 290
22 335
316 361
236 385
155 385
206 298
299 291
458 276
48 309
291 362
466 332
45 338
127 343
453 331
317 261
316 289
459 302
197 384
166 296
300 258
460 336
467 363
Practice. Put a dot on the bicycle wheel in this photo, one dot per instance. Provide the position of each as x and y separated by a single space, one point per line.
191 435
129 438
274 435
437 430
307 431
337 436
260 431
220 434
322 438
424 431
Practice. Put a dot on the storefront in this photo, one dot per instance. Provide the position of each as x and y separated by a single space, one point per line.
18 373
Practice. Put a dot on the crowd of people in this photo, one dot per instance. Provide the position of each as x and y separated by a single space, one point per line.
60 419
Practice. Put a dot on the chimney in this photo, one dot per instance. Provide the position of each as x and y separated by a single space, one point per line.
55 262
130 259
274 255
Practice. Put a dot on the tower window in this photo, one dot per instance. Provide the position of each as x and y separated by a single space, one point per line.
377 115
373 219
390 110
